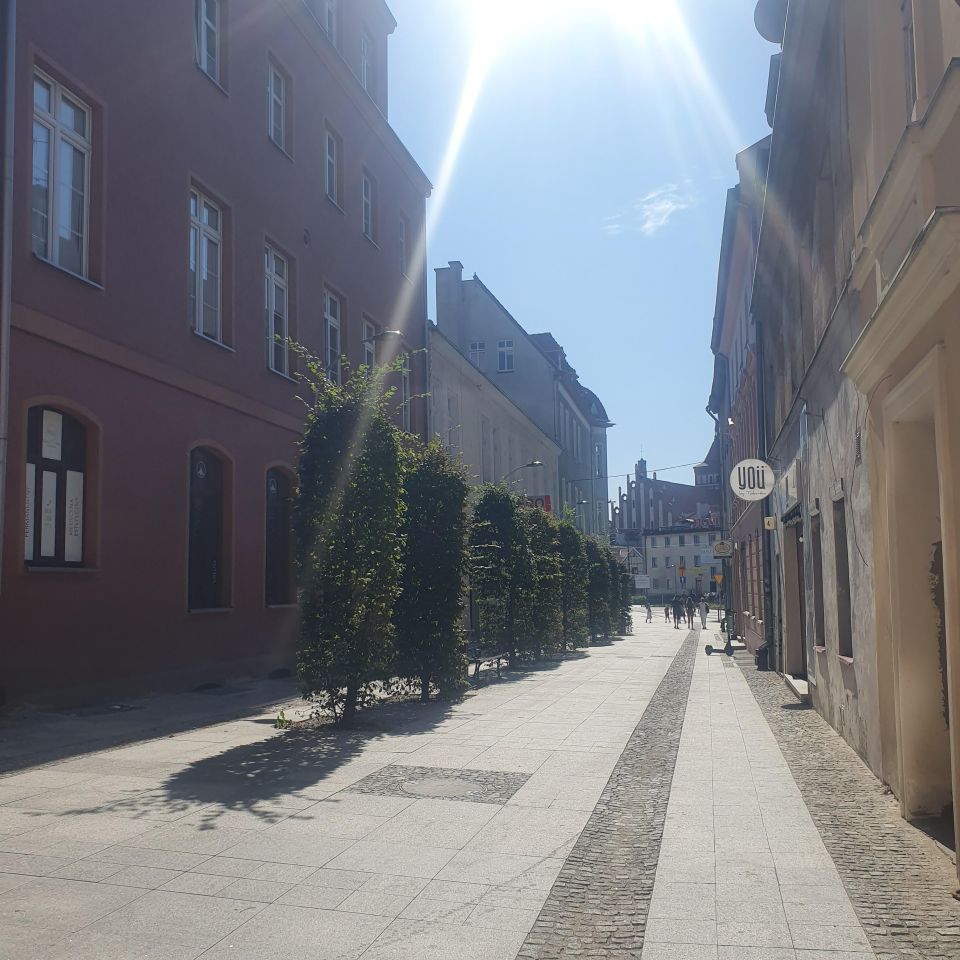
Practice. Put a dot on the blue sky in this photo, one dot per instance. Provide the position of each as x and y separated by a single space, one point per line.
589 188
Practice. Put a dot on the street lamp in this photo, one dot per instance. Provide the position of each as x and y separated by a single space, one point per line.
382 335
523 466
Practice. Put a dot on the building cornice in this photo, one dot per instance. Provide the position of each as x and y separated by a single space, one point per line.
924 281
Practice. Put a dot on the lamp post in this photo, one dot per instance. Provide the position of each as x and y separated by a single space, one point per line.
523 466
382 335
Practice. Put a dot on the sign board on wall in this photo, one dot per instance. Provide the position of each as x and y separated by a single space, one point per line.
642 581
751 480
541 503
723 549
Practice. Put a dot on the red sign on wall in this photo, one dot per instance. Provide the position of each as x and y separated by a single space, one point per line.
542 503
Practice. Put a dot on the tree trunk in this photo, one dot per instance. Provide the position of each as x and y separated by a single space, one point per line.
350 706
425 688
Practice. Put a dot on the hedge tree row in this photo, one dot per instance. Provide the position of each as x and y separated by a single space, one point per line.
386 543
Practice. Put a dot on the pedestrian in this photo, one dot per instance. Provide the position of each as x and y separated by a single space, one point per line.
690 611
704 610
666 613
646 603
678 612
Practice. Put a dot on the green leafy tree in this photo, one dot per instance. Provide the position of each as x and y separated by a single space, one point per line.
598 589
501 570
347 520
626 601
574 576
546 596
429 636
619 594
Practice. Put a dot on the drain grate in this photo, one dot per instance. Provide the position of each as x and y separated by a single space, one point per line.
440 783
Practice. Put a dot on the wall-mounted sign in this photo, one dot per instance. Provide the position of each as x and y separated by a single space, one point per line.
541 503
751 480
723 549
642 581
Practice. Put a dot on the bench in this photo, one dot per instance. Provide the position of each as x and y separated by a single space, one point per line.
479 655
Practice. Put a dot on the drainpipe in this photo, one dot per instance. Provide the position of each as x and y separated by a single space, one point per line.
773 642
6 252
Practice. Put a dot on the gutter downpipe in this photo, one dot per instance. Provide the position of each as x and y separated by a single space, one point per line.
724 473
6 252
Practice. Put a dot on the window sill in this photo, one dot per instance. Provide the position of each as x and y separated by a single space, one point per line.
333 203
216 83
69 273
283 376
281 606
212 342
373 243
210 610
822 650
844 659
281 148
35 568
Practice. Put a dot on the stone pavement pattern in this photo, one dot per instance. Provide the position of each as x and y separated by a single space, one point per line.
898 879
235 840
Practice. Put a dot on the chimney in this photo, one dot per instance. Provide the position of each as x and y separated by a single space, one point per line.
450 299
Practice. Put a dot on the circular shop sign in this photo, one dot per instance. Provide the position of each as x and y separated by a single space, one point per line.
751 480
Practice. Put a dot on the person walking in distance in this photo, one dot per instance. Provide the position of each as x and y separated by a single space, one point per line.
678 612
646 603
666 613
690 611
704 610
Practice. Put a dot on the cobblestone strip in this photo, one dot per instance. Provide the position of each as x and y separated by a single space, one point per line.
599 904
898 880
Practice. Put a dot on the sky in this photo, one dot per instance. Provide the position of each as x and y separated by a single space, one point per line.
581 151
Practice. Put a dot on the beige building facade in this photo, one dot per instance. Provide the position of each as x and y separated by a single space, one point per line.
857 296
477 422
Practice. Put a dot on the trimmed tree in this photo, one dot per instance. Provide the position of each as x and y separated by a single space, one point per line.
546 595
598 589
429 635
347 521
574 575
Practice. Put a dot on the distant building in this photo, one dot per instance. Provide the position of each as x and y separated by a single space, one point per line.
477 422
532 370
672 527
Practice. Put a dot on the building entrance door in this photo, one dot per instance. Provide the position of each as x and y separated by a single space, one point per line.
795 606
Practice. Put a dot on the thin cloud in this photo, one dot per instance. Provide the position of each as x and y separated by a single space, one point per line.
651 212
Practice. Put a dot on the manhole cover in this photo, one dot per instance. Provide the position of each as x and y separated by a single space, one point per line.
437 787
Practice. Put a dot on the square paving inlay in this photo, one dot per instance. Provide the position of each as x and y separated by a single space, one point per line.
441 783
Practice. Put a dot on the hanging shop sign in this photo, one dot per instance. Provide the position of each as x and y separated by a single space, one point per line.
751 480
723 549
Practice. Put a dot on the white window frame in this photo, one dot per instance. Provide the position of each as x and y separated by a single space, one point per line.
275 103
505 360
59 134
404 248
366 73
405 392
478 349
333 166
202 235
332 315
370 331
275 281
330 15
204 24
368 191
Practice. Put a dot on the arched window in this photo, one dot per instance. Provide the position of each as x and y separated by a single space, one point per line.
206 571
278 582
56 471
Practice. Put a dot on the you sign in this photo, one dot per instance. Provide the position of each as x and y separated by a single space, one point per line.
751 480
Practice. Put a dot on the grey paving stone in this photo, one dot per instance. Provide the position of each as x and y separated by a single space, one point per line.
898 881
64 905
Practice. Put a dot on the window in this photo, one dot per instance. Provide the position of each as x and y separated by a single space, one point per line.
819 635
208 38
909 54
366 63
404 253
653 541
504 356
275 302
696 559
369 199
477 349
453 423
653 563
666 541
277 106
713 573
331 333
333 167
696 539
369 343
278 552
331 17
712 538
683 561
60 188
682 540
668 561
205 245
598 449
405 393
841 555
205 557
54 507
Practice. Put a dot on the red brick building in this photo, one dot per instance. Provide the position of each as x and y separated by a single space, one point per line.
196 182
